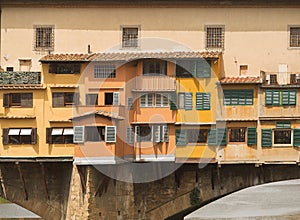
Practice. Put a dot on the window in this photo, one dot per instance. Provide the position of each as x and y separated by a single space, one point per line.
185 101
294 36
59 135
243 69
19 136
282 136
112 98
214 37
61 99
147 100
130 37
105 70
238 97
44 38
95 134
148 133
237 134
196 136
64 68
161 100
199 68
91 99
202 101
153 67
280 97
130 103
17 100
9 69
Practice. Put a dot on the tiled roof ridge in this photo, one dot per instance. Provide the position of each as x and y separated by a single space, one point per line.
241 79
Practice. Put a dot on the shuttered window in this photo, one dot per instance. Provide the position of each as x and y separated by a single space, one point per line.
129 135
266 136
59 135
165 134
280 97
283 124
188 101
78 134
110 134
61 99
296 137
212 137
252 136
180 137
238 97
19 136
202 101
173 101
155 133
24 100
130 103
116 98
222 136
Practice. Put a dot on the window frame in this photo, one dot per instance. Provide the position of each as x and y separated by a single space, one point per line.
160 71
24 102
135 44
7 138
88 132
105 70
64 68
237 91
75 100
282 145
222 37
281 101
49 136
37 45
190 132
290 46
230 129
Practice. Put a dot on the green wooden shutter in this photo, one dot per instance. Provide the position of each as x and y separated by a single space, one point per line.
188 101
249 97
180 137
199 101
203 69
212 137
5 138
283 124
252 136
222 136
6 100
276 97
226 97
110 134
268 97
285 97
173 101
206 101
266 136
292 97
296 137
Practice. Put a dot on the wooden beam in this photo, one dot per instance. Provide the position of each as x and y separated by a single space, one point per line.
82 179
44 180
22 180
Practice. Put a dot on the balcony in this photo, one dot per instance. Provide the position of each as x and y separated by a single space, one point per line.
155 83
280 78
20 78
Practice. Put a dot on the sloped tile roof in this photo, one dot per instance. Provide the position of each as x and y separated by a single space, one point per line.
240 80
111 115
63 86
127 56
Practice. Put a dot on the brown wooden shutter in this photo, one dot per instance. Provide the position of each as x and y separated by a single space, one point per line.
6 100
76 98
26 100
34 136
48 136
58 99
5 135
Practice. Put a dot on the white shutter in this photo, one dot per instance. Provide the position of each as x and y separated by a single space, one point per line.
129 135
116 98
165 134
110 134
78 134
156 133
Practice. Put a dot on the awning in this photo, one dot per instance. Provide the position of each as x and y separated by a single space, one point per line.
26 131
14 131
57 131
68 131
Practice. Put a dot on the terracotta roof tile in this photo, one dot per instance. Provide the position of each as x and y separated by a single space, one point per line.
99 113
127 56
11 86
240 80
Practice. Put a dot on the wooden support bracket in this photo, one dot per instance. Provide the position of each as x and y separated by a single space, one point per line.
44 180
22 180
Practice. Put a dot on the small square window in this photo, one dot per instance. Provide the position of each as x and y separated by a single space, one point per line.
294 36
243 69
214 37
130 37
44 38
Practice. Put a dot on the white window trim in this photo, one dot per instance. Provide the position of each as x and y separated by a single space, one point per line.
115 130
146 101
